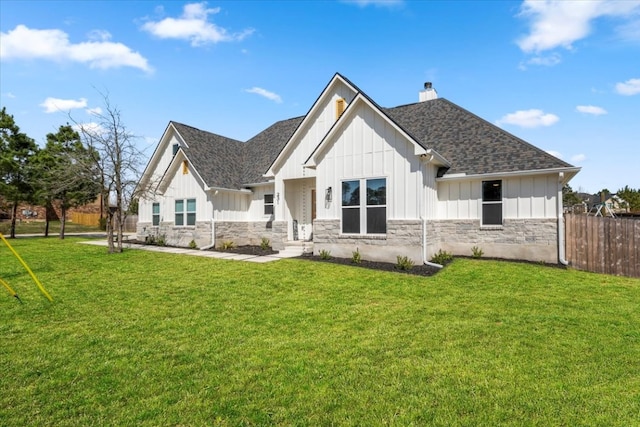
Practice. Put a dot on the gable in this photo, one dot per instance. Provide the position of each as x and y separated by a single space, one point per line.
312 129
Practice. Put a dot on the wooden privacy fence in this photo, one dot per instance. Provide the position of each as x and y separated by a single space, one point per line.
93 220
603 245
90 219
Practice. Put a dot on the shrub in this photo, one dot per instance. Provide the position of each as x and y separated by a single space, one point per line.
265 244
356 258
325 254
477 252
161 240
227 244
193 245
150 240
404 263
442 257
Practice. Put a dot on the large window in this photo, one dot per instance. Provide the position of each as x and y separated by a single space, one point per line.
268 204
368 214
492 202
186 208
155 214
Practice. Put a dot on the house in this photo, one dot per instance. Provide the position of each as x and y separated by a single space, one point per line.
350 174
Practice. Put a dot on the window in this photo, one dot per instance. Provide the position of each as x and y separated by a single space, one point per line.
364 214
268 204
492 202
340 105
190 212
156 214
175 148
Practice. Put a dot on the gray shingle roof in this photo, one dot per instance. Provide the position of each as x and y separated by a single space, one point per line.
228 163
262 149
218 160
471 144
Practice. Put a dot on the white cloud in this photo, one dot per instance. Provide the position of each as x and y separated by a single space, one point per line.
591 109
90 128
529 119
555 154
377 3
630 87
263 92
54 45
193 26
559 23
94 111
8 95
55 105
578 158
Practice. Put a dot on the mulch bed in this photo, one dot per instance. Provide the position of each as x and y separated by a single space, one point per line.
418 270
247 250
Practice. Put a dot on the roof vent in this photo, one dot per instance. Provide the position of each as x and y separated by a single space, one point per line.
428 93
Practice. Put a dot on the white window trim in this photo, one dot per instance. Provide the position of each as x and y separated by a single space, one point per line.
185 213
265 204
153 214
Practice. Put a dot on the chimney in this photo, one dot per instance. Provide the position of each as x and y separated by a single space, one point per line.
428 93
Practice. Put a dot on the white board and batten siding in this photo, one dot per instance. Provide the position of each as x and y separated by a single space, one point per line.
523 197
256 202
315 128
369 147
182 187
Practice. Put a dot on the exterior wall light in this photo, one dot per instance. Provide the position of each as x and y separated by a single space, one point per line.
328 195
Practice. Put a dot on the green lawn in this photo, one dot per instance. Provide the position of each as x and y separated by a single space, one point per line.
143 338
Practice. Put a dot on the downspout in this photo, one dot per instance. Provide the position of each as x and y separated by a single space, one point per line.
213 230
424 223
561 241
424 245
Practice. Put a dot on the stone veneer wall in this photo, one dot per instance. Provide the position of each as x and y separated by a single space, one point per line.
177 236
403 237
526 239
239 232
243 233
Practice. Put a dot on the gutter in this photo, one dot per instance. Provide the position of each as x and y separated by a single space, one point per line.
561 240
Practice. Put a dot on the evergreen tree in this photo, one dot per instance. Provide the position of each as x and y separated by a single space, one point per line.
16 153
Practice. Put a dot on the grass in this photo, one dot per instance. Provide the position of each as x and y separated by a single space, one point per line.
37 227
148 339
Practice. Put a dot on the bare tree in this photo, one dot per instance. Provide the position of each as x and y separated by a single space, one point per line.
118 161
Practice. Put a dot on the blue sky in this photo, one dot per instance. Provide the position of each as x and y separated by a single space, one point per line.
564 76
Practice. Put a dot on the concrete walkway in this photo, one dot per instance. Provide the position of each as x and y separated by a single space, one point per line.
288 252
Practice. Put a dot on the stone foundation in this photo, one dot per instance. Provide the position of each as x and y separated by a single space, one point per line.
526 239
177 236
403 238
243 233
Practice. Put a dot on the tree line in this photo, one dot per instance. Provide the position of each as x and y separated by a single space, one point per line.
630 197
77 165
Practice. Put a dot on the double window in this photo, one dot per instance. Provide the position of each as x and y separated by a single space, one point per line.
268 204
185 208
155 214
492 202
364 212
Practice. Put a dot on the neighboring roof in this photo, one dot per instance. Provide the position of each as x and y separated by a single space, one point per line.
471 144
